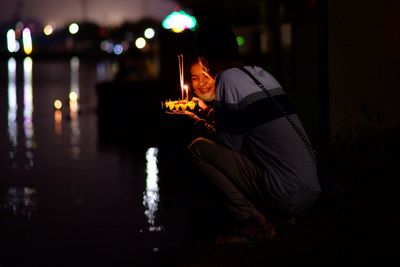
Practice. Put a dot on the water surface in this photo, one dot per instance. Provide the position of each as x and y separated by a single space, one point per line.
65 199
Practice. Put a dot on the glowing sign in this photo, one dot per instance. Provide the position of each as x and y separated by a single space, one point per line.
178 21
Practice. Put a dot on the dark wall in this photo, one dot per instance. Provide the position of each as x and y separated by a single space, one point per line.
364 60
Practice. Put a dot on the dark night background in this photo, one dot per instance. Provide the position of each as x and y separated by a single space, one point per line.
338 61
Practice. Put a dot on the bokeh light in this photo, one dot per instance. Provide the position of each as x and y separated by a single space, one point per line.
73 28
27 41
240 40
107 46
73 96
48 29
11 41
140 42
149 33
57 104
118 49
178 21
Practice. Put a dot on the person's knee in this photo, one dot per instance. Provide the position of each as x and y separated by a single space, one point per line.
199 146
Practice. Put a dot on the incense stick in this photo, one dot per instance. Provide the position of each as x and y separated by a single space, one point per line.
181 77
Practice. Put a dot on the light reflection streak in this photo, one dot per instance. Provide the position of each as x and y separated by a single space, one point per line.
74 109
57 117
21 201
151 195
104 71
58 122
12 106
75 75
28 110
75 130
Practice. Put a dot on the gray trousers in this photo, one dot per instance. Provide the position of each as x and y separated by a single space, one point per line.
233 173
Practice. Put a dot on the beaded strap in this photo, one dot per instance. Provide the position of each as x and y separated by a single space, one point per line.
283 111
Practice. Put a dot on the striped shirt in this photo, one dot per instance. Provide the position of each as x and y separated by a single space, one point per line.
246 120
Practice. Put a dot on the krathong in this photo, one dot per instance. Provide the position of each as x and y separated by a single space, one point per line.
184 102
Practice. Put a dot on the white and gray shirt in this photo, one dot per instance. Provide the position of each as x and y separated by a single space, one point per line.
248 121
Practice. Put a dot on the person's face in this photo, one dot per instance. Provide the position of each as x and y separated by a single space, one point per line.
203 84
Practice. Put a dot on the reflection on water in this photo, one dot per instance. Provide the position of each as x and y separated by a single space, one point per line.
12 106
74 63
58 122
28 127
20 201
28 110
75 131
90 196
20 112
74 109
151 196
105 71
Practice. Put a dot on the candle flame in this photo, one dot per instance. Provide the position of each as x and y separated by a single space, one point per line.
186 90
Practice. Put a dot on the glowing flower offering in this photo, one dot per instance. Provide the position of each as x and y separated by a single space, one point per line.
183 103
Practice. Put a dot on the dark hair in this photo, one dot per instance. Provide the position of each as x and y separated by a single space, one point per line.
216 42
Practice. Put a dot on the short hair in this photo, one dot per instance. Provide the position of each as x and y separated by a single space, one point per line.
216 42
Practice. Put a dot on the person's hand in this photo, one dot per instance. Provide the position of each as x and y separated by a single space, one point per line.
200 102
184 113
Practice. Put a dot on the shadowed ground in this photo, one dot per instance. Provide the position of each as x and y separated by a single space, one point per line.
102 209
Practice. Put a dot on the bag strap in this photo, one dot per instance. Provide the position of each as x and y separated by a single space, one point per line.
283 111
